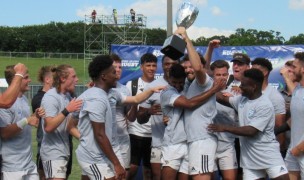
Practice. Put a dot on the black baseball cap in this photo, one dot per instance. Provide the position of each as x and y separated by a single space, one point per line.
240 57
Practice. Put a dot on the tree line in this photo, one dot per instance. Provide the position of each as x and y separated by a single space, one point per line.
69 37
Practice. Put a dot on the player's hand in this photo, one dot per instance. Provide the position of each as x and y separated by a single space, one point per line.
236 90
181 31
74 105
155 109
20 69
295 151
120 172
227 94
219 84
165 120
215 43
33 120
158 88
40 112
216 128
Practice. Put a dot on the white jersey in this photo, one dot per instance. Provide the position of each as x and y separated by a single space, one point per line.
197 120
276 99
260 151
55 145
227 116
96 107
175 129
119 110
158 127
17 150
142 130
297 114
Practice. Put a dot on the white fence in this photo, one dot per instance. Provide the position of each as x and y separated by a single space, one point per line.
43 55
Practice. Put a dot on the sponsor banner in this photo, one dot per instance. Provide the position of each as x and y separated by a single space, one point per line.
278 55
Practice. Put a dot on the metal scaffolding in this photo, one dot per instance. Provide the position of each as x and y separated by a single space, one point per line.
107 30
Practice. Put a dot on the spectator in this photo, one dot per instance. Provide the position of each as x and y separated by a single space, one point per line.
132 12
93 15
115 16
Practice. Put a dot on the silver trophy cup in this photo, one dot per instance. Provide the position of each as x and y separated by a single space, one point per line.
174 46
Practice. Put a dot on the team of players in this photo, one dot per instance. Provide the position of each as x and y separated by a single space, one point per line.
189 133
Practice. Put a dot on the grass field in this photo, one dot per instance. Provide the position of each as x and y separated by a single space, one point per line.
34 64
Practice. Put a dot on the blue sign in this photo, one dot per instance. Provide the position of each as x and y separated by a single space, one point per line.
278 55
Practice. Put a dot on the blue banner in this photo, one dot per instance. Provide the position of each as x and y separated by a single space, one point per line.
278 55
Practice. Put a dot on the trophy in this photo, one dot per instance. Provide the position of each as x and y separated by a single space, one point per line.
174 46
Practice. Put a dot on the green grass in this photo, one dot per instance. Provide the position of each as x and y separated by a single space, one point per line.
34 64
76 171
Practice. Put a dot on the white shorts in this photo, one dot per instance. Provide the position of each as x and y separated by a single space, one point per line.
55 168
117 152
202 155
30 174
226 159
176 157
272 172
294 163
125 151
97 171
156 155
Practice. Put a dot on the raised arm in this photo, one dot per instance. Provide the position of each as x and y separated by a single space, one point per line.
9 96
200 72
291 85
208 54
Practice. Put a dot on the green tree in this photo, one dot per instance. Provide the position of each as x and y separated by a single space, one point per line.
299 39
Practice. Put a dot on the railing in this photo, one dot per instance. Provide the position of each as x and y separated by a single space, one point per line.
34 89
44 55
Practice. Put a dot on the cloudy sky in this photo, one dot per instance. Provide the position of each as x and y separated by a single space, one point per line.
216 17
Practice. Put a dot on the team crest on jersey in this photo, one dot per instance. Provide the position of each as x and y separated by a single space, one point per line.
251 113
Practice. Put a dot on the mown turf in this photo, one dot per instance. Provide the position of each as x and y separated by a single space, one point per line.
34 65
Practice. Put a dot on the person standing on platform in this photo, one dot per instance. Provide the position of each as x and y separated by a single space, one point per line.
93 16
115 16
132 12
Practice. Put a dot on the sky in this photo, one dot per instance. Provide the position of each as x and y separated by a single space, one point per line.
216 17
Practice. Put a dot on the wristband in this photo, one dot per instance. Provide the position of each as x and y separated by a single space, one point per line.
22 123
65 112
17 74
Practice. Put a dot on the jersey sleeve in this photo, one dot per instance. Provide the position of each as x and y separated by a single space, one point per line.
6 117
